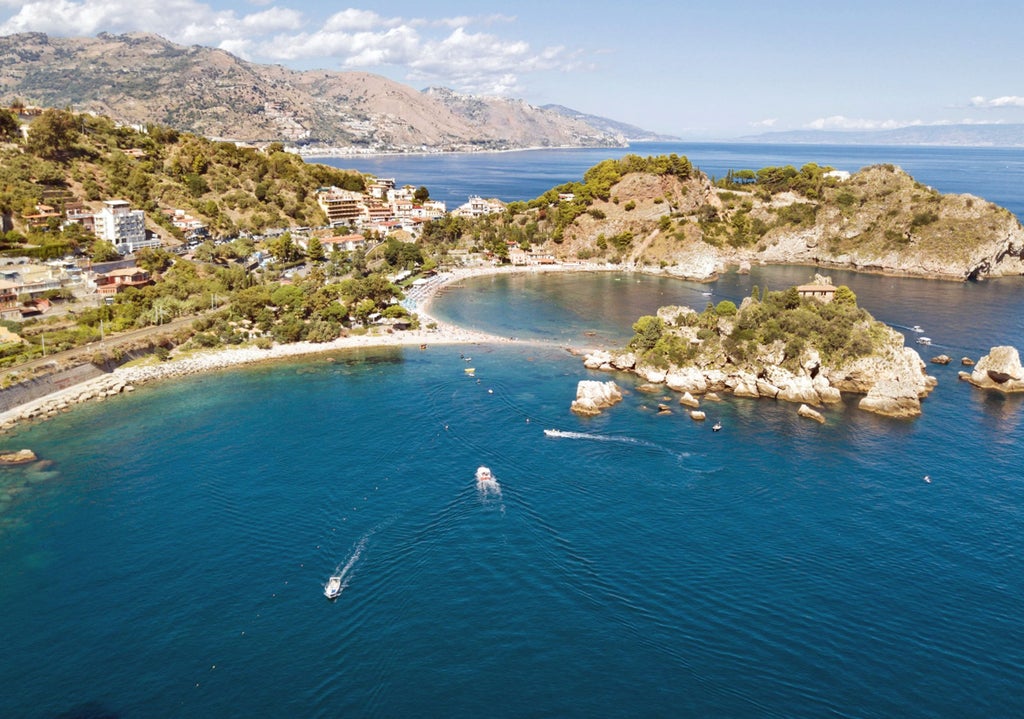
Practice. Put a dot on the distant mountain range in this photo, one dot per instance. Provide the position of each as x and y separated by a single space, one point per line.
141 78
966 135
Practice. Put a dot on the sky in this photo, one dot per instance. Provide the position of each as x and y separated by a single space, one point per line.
695 70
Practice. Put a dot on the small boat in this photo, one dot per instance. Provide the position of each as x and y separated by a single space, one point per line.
483 474
470 371
333 587
916 328
716 426
706 294
924 340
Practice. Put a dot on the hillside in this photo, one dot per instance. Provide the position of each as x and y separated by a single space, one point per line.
141 78
661 213
230 188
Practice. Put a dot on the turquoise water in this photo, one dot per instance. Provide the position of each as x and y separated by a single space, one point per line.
168 559
172 562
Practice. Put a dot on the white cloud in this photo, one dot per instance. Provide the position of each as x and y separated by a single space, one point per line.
997 102
839 122
766 122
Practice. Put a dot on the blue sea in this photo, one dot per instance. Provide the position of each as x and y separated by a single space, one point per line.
167 558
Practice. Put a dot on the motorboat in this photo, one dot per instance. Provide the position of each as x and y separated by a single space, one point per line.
916 328
924 340
716 426
332 590
483 474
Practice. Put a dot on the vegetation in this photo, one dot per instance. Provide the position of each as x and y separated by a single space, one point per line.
839 331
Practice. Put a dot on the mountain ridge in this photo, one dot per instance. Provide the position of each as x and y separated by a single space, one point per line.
963 134
141 78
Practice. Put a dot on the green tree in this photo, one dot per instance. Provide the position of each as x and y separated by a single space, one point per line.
316 250
647 331
52 132
104 251
422 194
10 128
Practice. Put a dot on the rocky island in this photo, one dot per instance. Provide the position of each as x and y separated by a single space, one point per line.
1000 370
806 345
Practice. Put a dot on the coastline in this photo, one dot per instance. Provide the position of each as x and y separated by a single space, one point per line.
126 379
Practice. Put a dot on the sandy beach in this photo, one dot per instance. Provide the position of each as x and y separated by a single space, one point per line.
431 332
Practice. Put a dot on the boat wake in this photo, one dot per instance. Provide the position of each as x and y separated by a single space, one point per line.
487 483
633 441
343 573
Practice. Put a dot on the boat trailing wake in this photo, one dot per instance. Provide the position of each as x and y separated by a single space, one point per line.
343 572
634 441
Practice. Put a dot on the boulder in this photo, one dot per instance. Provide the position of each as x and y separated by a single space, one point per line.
941 359
664 409
892 398
712 397
966 361
743 384
767 389
651 373
649 388
595 360
593 396
686 379
1000 370
20 457
808 413
688 400
697 416
826 392
624 361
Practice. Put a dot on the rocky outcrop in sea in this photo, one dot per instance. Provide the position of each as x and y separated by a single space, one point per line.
1000 370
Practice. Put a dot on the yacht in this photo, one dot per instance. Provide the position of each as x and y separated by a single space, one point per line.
924 340
483 474
916 328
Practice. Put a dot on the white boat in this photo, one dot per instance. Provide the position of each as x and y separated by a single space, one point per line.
916 328
717 426
924 340
483 474
333 587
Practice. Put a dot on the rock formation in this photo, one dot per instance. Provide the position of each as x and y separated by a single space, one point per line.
593 396
20 457
1000 370
808 413
746 352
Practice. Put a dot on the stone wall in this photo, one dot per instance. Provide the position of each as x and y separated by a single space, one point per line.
32 389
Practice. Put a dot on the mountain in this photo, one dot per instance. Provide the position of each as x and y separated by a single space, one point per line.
990 135
632 133
141 78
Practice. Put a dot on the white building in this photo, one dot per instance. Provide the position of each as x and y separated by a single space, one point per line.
122 226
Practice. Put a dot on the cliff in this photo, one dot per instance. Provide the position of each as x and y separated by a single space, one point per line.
781 347
878 219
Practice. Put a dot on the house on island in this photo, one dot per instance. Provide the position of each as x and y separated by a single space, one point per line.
817 291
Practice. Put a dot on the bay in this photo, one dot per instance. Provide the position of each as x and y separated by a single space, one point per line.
170 560
991 173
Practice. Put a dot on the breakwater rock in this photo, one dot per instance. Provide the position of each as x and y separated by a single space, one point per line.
1000 370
